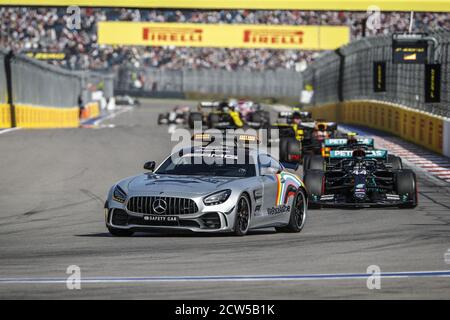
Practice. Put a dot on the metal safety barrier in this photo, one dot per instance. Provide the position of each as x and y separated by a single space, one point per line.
41 84
3 90
35 94
404 82
148 81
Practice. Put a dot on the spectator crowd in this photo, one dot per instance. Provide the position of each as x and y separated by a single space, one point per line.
28 30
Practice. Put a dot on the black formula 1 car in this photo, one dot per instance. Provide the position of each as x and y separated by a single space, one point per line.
127 101
179 115
229 115
360 178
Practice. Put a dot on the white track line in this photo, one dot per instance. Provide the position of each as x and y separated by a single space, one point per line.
113 115
233 278
9 130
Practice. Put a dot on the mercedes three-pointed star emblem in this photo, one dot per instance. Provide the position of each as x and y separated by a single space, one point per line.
159 206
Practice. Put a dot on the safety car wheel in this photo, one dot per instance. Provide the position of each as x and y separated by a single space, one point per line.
298 213
242 221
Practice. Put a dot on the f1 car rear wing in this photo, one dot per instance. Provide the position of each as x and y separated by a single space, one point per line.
308 125
290 114
348 154
343 142
315 124
209 104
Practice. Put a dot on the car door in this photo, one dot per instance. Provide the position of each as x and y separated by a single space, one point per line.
272 183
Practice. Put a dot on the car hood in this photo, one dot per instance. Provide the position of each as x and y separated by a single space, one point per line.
175 184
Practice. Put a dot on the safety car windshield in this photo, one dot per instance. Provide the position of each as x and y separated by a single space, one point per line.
219 165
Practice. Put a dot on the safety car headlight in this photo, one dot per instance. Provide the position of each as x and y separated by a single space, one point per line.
217 198
119 195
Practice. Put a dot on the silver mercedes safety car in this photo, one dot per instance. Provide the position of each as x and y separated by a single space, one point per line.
209 189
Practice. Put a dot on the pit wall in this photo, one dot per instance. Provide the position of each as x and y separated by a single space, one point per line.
424 129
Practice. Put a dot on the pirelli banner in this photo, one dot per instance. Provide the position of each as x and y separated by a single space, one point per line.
222 36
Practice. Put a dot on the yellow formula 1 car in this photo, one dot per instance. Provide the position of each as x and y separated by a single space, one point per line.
290 135
220 115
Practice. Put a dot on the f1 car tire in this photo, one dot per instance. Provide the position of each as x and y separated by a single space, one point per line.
306 159
257 117
283 149
194 117
120 232
213 119
395 162
314 182
406 187
263 116
294 148
316 163
298 213
243 212
160 118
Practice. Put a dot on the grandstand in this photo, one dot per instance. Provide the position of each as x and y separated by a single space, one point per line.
43 30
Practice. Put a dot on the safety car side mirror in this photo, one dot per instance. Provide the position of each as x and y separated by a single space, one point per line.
150 165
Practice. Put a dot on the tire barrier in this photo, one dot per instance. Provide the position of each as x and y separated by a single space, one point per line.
425 129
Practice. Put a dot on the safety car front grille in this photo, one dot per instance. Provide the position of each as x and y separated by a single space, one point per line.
173 206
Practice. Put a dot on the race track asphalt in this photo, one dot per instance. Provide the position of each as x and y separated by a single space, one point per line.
53 185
